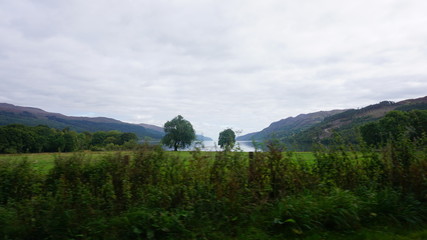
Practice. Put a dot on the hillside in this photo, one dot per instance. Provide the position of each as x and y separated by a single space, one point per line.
290 125
203 138
305 128
10 114
348 121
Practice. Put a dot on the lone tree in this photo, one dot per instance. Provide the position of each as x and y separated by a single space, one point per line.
179 133
227 139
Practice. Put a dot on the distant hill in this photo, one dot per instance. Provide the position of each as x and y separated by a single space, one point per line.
203 138
290 125
160 129
153 127
347 122
306 128
10 114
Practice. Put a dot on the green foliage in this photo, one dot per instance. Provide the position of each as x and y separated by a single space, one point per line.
337 210
227 139
407 118
18 181
152 194
179 133
395 125
17 138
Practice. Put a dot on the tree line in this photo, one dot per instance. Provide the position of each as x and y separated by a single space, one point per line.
17 138
394 125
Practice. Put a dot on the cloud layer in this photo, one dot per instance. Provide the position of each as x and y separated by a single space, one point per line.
234 63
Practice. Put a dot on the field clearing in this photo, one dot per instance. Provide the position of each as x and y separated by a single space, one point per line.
43 162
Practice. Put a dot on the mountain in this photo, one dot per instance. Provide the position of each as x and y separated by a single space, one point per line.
305 128
290 125
203 138
346 123
11 114
152 127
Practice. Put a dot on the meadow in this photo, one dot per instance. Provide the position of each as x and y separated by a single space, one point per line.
43 162
336 192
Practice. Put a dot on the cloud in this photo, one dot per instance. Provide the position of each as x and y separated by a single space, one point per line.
240 64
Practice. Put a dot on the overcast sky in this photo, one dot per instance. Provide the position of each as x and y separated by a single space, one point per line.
222 63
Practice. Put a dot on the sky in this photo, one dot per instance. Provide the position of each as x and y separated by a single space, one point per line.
239 64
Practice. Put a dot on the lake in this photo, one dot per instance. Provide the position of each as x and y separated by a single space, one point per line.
211 146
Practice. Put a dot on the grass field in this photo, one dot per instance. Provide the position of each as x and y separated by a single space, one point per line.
44 161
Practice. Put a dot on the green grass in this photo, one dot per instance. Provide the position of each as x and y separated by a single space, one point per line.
382 233
305 156
374 233
43 162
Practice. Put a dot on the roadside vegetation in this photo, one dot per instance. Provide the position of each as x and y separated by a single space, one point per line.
368 190
152 194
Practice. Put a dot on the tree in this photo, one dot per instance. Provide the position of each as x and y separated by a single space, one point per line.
179 133
227 139
394 125
127 137
371 133
98 138
70 140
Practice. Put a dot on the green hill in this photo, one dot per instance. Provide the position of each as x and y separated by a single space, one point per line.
319 126
10 114
347 122
289 126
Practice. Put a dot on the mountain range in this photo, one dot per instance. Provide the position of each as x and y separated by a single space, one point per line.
290 125
30 116
305 128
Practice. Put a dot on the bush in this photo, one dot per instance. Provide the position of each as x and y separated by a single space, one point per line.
150 194
338 210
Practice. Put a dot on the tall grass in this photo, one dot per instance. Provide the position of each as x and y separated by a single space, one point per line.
150 194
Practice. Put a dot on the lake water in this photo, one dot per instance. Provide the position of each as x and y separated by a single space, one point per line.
245 146
211 146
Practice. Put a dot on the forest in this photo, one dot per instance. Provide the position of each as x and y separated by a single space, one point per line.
17 138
